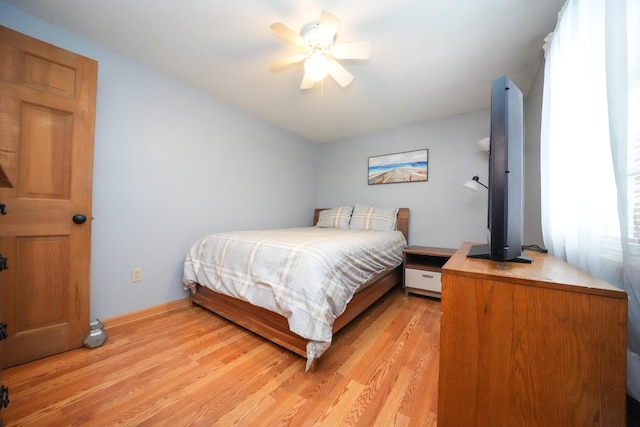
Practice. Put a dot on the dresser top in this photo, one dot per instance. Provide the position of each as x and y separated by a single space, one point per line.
545 271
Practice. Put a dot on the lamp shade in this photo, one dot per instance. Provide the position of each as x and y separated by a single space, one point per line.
474 183
484 143
471 185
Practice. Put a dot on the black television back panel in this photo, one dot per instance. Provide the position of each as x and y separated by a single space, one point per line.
506 168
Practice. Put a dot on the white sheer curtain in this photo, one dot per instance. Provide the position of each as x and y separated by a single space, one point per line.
590 149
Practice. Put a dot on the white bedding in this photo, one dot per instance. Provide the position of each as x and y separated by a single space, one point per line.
307 275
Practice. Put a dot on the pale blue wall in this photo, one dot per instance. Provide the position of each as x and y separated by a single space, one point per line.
172 164
532 120
443 212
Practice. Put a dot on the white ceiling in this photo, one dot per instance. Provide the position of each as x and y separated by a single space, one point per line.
429 58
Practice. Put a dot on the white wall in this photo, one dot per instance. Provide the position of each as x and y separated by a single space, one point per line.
442 212
172 164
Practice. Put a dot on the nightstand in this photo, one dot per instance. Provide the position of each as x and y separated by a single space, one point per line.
422 269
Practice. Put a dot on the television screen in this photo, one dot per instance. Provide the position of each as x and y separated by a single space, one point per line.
506 168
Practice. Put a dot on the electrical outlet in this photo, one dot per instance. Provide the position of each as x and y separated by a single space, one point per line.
136 275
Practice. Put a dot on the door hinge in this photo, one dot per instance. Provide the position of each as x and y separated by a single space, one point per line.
3 263
4 396
3 331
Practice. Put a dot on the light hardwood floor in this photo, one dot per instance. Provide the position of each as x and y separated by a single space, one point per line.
191 367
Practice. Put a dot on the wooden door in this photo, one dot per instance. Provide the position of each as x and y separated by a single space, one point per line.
47 113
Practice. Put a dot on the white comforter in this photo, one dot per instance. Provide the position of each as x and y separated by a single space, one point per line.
307 275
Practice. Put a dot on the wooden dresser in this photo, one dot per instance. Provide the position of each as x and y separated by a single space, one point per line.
540 344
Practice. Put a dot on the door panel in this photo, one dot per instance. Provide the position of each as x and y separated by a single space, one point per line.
48 76
47 109
44 153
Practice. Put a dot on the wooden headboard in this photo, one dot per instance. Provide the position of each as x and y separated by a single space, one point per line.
403 220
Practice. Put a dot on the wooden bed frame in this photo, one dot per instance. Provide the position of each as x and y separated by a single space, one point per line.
274 327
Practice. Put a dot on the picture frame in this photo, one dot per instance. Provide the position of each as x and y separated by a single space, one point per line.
408 166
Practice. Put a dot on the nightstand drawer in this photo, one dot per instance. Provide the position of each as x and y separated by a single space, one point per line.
422 279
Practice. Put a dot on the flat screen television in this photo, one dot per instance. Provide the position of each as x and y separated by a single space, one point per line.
506 168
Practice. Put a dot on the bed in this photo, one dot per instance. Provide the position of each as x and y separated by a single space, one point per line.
270 317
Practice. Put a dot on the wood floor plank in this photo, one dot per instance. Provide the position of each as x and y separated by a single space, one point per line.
389 414
249 411
320 392
378 385
191 367
364 343
345 404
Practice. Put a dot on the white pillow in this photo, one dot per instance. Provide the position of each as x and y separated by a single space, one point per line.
335 218
371 218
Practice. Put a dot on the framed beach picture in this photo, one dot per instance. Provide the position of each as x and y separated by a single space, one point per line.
410 166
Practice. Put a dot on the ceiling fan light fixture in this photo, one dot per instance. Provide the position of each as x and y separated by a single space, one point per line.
316 66
321 53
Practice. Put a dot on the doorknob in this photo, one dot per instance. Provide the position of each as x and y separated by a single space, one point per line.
79 219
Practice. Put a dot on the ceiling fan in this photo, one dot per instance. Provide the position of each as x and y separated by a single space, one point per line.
317 49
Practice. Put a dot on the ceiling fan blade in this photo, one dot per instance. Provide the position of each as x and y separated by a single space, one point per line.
283 62
287 34
307 83
339 73
352 50
328 26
